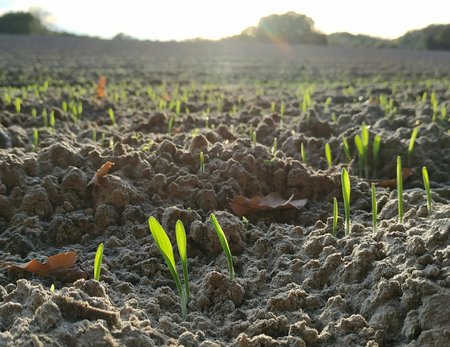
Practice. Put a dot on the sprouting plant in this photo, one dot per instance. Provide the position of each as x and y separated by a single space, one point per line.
443 112
17 104
303 152
359 149
254 137
52 119
165 247
374 207
345 182
178 107
346 149
170 125
272 107
365 148
98 262
224 244
64 106
282 109
326 105
424 97
245 221
35 138
412 140
7 98
52 288
400 189
335 216
202 162
34 113
328 155
112 117
180 234
94 134
375 152
426 184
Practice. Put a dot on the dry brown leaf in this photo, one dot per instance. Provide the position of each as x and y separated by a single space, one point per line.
103 171
61 266
242 205
101 87
392 183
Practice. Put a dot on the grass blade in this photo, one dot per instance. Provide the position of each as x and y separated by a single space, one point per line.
412 140
345 182
165 247
328 155
346 149
335 216
400 189
359 149
374 208
224 244
182 250
375 151
98 262
426 183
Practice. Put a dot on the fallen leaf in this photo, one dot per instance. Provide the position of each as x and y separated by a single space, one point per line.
242 205
60 266
392 183
101 87
103 171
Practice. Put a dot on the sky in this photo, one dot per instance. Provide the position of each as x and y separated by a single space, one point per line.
214 19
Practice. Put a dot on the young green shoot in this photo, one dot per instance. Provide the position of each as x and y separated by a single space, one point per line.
359 149
346 149
224 244
170 125
52 288
365 148
400 189
52 119
182 251
112 117
426 184
202 162
303 153
328 155
412 140
34 113
35 138
98 262
165 247
374 207
375 152
254 137
17 104
345 182
335 216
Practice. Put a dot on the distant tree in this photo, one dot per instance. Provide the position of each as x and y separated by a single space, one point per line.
21 23
345 39
436 36
122 36
290 27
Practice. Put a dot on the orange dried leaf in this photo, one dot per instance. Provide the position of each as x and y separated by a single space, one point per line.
103 171
392 183
101 87
242 205
61 266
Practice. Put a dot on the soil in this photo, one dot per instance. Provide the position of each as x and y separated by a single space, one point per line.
296 284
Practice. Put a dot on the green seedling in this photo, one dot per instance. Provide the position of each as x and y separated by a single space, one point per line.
326 105
412 141
52 288
272 107
443 112
35 138
34 113
98 262
224 244
335 216
359 149
112 117
17 104
375 152
328 155
365 148
346 149
180 234
64 106
400 189
345 182
94 135
424 97
303 152
282 109
52 119
165 247
170 125
374 207
254 137
178 107
7 99
426 184
202 162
